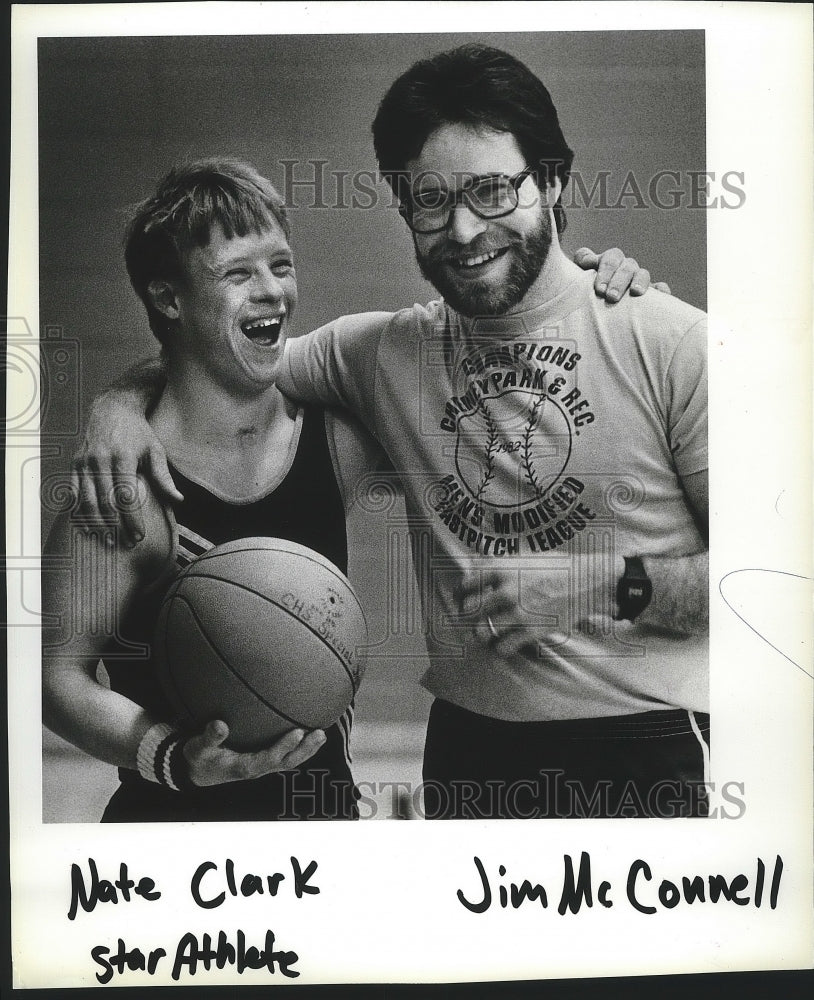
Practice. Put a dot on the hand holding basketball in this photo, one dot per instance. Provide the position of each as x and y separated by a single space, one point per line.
210 763
264 634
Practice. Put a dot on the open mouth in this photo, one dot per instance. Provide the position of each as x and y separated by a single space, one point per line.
478 262
264 332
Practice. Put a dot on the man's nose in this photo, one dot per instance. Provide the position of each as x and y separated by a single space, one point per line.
464 225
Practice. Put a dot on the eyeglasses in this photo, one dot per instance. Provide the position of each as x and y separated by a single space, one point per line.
490 197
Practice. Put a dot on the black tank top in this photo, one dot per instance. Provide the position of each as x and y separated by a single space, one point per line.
306 507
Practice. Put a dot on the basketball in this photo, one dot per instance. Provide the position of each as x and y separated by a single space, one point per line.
263 633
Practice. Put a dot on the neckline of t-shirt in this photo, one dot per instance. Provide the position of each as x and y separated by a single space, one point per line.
513 325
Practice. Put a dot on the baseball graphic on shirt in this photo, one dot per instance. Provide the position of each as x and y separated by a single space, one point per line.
512 447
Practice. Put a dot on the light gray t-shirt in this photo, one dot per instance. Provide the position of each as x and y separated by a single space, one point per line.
543 443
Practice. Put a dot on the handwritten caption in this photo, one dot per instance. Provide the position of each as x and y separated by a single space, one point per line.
210 885
578 887
486 886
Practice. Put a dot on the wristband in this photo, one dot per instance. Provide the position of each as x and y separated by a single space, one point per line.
634 590
160 758
177 767
148 751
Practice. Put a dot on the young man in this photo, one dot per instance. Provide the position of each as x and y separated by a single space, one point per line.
475 400
209 256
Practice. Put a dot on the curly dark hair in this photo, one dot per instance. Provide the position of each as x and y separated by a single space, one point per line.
473 85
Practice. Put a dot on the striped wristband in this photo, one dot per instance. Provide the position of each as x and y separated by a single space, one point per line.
160 758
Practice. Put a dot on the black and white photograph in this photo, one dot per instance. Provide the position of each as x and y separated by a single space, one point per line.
391 453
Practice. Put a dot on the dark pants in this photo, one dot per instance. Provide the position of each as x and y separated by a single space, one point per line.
649 764
321 789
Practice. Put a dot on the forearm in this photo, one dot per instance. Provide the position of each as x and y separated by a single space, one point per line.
335 365
140 386
680 598
84 602
310 375
89 715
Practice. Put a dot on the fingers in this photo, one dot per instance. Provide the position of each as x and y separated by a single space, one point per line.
662 286
505 635
109 495
160 473
516 640
617 274
620 278
607 266
291 750
210 763
104 495
487 599
93 510
497 616
303 751
494 579
468 592
487 630
117 492
494 593
74 484
127 497
640 282
499 604
88 506
586 259
214 734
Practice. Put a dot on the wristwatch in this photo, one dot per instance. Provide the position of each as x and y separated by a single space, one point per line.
634 590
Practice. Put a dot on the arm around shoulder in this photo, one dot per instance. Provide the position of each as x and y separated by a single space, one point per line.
119 441
336 364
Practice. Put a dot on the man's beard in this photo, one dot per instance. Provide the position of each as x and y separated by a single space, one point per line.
475 298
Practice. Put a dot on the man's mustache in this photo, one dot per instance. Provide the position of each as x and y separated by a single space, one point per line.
454 252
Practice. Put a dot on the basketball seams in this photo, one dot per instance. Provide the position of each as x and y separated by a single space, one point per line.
292 548
224 662
221 552
281 607
272 571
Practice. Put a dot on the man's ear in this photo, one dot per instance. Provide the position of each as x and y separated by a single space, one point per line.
163 298
553 191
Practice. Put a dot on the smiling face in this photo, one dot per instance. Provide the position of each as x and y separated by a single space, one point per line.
233 306
482 267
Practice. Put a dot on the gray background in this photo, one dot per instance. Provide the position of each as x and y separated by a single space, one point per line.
116 113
